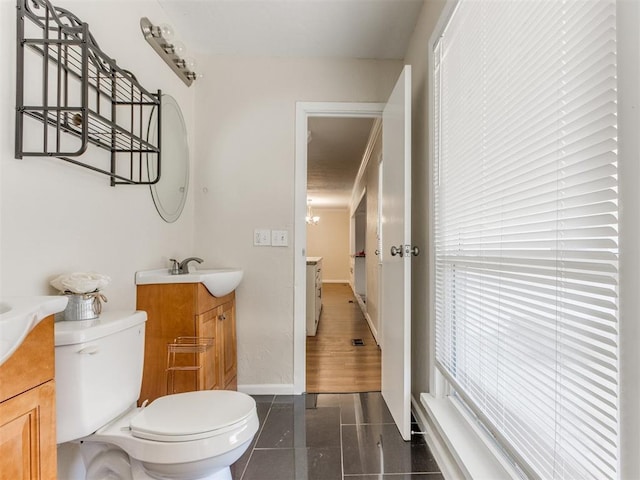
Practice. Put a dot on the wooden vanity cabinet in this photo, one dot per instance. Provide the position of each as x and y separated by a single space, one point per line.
208 375
228 345
27 408
187 310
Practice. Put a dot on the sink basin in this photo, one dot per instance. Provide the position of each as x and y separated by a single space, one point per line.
18 316
219 281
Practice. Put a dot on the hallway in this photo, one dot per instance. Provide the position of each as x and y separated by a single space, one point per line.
334 365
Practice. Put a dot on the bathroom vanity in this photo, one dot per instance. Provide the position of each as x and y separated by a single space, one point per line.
205 358
27 407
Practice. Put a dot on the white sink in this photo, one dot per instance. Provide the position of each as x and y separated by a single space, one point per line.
219 281
19 315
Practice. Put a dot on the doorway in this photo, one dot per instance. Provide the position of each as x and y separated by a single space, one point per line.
303 112
359 241
342 355
396 240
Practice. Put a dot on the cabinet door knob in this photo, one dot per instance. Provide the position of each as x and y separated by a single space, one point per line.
222 317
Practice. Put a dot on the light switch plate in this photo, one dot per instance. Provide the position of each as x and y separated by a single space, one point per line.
261 237
279 238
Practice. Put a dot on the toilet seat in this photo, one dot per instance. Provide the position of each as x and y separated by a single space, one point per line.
193 443
191 416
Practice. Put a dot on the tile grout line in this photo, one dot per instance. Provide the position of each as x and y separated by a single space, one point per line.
343 413
259 432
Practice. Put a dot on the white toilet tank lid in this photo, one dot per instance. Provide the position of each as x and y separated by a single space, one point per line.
80 331
192 415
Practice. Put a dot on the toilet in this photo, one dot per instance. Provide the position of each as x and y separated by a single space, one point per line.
102 434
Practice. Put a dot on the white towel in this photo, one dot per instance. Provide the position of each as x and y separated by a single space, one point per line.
80 282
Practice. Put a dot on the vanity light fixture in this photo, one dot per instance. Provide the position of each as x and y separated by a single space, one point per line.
161 39
310 218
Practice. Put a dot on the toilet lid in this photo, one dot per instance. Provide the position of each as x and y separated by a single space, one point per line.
192 415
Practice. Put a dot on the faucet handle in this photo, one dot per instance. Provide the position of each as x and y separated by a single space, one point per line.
175 269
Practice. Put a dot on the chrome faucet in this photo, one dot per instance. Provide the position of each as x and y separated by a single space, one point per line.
181 268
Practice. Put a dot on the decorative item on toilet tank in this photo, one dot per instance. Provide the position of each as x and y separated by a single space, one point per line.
83 290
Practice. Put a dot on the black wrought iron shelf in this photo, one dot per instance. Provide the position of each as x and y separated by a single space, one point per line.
84 99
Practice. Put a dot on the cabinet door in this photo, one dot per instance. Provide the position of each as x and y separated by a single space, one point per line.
209 360
227 344
28 435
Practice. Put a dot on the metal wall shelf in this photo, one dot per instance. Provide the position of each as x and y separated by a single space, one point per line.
71 96
191 346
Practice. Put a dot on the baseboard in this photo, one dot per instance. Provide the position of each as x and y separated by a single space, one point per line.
373 329
335 281
363 308
268 389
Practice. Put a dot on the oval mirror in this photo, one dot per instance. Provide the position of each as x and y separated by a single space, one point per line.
170 192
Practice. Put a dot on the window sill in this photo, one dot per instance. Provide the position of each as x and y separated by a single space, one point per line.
473 455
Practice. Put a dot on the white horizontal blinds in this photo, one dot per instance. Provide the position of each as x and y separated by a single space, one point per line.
525 182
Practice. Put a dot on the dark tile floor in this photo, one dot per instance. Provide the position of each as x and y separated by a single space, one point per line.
332 437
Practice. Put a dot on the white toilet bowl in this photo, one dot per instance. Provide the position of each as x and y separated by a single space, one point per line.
102 435
185 436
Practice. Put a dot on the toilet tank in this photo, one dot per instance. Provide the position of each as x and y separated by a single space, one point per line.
98 371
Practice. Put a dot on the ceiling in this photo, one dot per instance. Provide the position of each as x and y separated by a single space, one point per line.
365 29
334 153
295 28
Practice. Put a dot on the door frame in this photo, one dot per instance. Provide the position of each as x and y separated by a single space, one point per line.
304 110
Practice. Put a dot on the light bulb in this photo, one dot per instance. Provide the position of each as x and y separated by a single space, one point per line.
167 31
190 63
179 48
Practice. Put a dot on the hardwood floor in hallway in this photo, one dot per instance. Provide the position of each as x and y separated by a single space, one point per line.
334 365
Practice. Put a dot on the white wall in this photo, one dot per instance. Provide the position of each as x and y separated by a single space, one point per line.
329 239
372 261
369 182
56 217
246 154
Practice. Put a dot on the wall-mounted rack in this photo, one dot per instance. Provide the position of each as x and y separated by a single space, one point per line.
71 96
178 362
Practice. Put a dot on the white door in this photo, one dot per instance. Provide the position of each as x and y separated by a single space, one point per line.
395 254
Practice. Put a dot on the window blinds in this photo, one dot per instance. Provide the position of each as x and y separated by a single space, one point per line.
526 242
